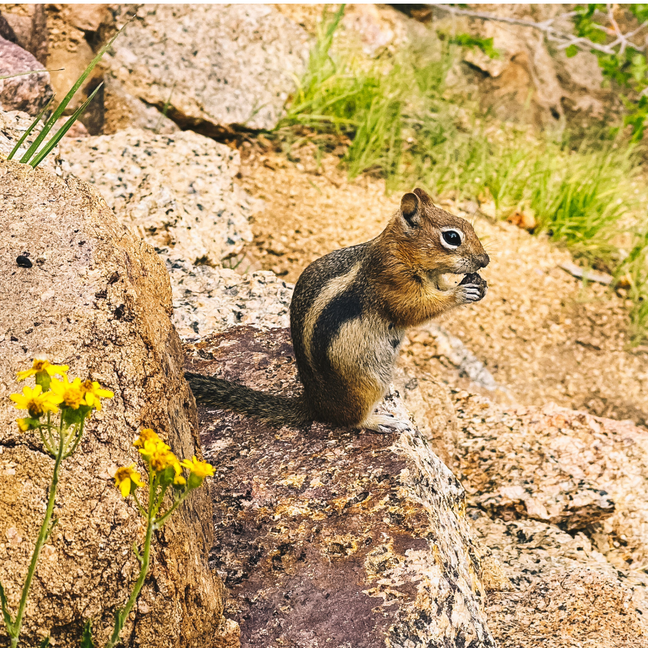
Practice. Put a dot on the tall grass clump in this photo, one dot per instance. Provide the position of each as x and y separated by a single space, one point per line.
397 116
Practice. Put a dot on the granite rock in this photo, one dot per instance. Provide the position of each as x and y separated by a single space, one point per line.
217 66
28 24
122 110
553 589
556 465
176 191
210 300
98 299
13 124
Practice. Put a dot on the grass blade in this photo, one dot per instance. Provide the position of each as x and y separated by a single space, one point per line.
5 609
60 133
68 97
86 639
19 74
25 135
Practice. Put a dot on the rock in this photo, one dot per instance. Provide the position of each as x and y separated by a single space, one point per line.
6 31
98 299
429 403
326 535
176 191
210 300
122 111
556 465
28 93
86 17
561 592
71 53
218 66
529 72
28 23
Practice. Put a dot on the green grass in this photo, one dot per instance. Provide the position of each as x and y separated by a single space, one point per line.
396 116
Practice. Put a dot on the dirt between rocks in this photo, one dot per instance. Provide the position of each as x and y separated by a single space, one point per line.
543 334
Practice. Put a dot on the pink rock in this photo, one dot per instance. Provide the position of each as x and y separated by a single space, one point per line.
29 92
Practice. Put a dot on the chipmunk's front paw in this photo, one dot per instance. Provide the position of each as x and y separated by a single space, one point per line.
472 288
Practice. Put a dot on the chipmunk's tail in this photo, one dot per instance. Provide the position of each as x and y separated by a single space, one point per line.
279 410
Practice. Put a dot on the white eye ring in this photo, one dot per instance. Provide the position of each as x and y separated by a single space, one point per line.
449 246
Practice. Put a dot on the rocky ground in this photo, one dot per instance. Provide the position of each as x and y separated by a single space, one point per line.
533 397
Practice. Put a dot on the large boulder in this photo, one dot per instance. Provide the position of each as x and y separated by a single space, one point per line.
177 191
333 536
98 299
213 66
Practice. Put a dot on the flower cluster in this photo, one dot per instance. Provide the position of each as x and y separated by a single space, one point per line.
73 400
165 468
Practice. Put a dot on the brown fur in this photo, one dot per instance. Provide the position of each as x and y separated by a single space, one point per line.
349 313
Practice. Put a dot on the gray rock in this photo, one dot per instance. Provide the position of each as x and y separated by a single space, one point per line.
122 111
210 300
333 536
29 92
176 191
216 65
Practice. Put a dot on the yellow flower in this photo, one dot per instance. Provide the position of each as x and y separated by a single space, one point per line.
198 471
158 454
23 424
127 480
145 435
93 393
35 402
179 479
199 468
71 394
40 366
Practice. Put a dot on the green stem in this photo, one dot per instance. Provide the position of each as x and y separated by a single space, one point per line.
160 521
122 615
71 450
42 536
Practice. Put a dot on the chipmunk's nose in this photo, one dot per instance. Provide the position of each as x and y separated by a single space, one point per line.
483 260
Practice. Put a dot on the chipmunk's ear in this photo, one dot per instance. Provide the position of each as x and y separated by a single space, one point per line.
425 198
411 209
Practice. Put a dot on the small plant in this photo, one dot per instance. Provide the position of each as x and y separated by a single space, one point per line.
33 156
165 475
58 409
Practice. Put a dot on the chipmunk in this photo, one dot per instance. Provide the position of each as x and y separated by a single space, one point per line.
349 313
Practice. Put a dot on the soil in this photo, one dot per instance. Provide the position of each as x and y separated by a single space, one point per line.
544 335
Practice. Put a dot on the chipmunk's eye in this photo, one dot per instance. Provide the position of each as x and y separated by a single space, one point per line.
451 238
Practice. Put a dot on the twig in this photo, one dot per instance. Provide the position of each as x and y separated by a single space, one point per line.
564 39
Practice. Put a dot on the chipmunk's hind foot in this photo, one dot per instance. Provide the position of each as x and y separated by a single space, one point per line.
384 424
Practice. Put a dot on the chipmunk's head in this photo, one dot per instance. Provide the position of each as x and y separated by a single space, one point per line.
434 241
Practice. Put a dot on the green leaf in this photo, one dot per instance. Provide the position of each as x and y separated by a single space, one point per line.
86 639
45 643
5 609
571 51
60 133
66 100
25 135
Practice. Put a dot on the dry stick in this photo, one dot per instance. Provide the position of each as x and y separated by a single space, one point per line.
551 32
